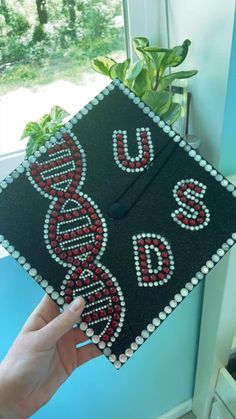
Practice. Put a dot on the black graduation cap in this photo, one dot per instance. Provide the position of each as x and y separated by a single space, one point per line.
117 207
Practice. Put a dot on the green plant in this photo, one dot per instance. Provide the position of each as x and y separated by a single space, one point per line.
37 133
149 77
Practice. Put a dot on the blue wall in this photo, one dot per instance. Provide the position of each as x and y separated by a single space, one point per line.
158 377
227 163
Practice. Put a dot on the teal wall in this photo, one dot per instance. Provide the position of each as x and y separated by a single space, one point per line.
227 162
158 377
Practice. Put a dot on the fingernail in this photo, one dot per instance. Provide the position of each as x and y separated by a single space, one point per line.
76 304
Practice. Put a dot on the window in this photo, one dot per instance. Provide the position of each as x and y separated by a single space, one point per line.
46 48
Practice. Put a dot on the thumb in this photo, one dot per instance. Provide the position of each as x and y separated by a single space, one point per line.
56 328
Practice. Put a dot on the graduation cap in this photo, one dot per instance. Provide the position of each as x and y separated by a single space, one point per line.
118 208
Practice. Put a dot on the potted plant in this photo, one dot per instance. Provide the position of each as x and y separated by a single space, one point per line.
151 76
38 132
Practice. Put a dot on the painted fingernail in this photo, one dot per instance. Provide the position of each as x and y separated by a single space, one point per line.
76 304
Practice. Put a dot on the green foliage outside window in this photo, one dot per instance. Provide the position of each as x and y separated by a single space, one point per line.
55 37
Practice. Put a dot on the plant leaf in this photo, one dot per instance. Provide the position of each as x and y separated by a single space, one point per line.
142 83
167 80
160 102
31 128
138 44
175 56
181 52
153 57
31 147
173 113
57 114
134 70
155 49
44 120
118 70
103 65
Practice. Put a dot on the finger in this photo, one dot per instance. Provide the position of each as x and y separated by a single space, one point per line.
61 324
45 311
87 352
79 336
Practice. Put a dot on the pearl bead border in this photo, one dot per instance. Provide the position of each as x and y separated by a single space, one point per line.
151 327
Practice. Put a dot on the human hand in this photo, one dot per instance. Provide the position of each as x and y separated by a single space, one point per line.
42 357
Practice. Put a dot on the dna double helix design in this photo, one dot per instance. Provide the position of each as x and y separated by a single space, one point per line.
75 235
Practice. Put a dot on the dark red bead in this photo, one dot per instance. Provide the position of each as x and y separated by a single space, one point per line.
95 315
84 264
110 310
109 283
86 281
105 337
112 290
67 299
200 220
68 291
91 298
114 299
78 283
